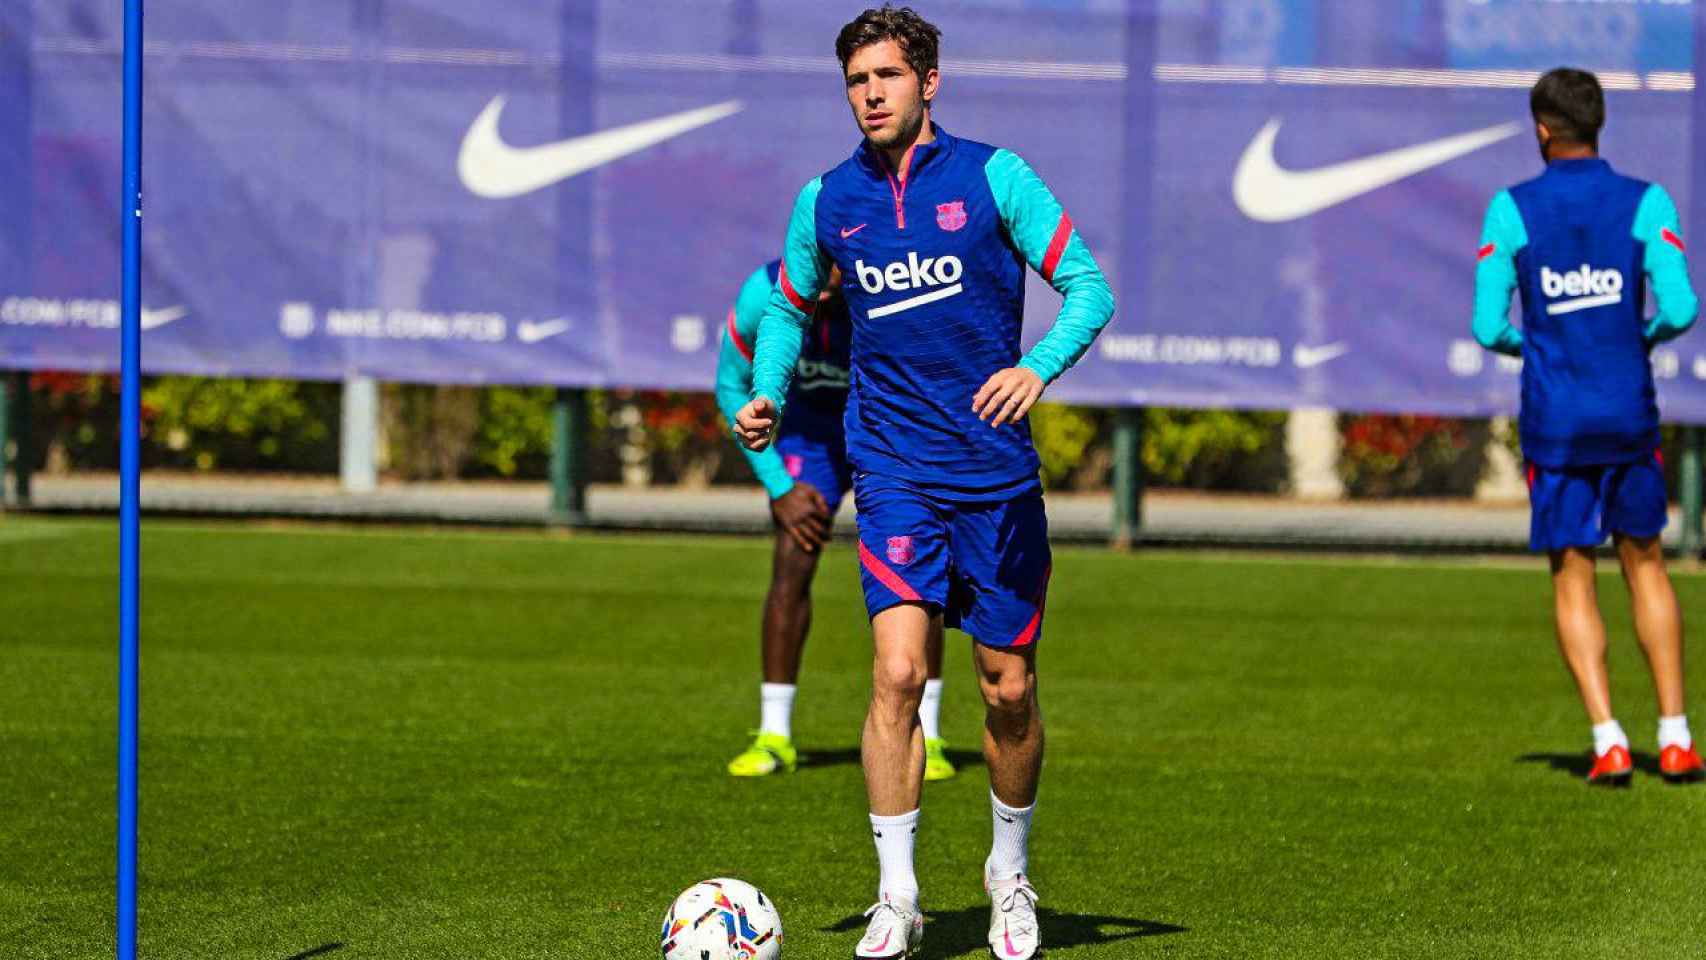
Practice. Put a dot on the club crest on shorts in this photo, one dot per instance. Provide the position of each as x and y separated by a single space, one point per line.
901 551
951 216
794 464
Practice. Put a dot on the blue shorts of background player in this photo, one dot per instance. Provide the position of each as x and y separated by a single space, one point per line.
983 564
1582 506
814 451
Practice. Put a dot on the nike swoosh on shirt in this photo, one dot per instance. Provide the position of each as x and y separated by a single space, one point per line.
1306 357
491 168
154 319
1269 193
845 233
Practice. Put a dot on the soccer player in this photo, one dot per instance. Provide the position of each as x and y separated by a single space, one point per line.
934 233
806 475
1577 242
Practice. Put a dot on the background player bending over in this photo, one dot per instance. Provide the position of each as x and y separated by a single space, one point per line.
806 475
1576 242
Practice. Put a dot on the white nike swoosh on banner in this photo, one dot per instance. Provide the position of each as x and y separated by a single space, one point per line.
1306 357
1269 193
492 168
154 319
528 332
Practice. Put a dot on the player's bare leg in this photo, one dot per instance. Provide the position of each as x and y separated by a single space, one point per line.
893 751
893 743
1013 749
1658 621
1013 723
787 610
787 621
1658 624
1581 632
1581 638
933 650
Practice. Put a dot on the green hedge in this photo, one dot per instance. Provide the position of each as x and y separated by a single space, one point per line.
432 432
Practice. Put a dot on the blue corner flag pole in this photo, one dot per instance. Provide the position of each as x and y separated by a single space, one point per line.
130 484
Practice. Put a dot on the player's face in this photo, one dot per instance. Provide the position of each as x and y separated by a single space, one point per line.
887 97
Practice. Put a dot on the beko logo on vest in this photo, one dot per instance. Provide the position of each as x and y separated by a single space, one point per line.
1585 286
914 273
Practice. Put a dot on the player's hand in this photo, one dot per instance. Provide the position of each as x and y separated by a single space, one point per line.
755 424
1007 396
803 515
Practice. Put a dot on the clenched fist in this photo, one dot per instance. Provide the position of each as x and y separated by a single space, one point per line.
755 424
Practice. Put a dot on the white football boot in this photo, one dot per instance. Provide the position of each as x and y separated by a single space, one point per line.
1013 933
896 931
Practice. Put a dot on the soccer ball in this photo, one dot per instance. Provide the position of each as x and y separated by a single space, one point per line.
722 919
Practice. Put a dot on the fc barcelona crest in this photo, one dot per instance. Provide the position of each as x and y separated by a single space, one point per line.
901 551
951 216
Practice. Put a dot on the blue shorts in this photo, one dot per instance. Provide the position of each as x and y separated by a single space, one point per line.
814 451
1581 506
984 564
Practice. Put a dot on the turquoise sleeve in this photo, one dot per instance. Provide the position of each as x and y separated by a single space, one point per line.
1666 266
1045 237
1502 236
805 270
734 376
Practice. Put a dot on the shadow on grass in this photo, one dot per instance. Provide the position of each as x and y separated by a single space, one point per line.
961 759
964 933
318 951
1578 764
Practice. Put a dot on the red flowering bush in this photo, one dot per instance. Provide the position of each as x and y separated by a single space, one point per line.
1387 455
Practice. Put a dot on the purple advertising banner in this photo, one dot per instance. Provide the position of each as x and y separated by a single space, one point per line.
1286 194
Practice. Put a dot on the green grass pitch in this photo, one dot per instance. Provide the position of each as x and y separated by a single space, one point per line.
398 744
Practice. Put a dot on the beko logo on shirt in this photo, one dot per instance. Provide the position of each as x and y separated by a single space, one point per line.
819 374
1585 286
914 273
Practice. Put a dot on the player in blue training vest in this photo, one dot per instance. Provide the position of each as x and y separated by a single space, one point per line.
933 235
1577 242
806 475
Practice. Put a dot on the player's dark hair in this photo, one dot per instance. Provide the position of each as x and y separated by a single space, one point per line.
1571 104
919 39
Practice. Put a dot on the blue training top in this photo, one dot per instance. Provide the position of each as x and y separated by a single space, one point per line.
1576 242
818 397
934 267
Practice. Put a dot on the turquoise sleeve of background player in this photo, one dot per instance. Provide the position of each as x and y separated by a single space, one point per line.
1495 276
1045 237
734 376
804 272
1666 266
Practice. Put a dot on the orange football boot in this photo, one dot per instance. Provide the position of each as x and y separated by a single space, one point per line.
1681 765
1612 768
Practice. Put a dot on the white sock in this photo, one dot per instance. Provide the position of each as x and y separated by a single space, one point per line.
1009 856
930 709
1673 732
894 837
1607 735
777 703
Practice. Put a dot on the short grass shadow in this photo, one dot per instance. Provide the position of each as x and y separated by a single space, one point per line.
1578 764
961 759
963 933
318 951
829 758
